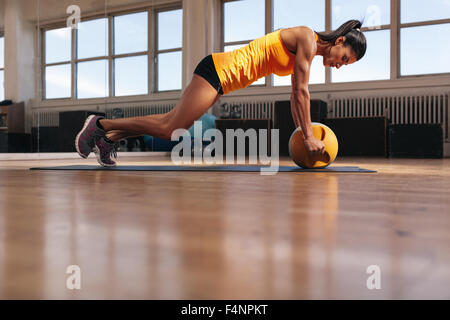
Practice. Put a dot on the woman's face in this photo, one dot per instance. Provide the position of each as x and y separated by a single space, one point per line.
339 55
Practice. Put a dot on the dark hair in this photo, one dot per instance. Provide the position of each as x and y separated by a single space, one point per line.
353 37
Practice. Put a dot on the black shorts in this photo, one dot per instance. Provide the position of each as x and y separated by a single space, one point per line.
207 70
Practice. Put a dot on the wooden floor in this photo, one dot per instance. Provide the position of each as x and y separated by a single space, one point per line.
224 235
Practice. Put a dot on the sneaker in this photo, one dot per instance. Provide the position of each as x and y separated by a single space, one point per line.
88 136
104 150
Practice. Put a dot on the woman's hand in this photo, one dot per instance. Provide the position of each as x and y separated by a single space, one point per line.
314 146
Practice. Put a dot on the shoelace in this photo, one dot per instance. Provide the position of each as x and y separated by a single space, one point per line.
110 151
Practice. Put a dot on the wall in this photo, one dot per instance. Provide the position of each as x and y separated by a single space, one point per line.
19 56
2 11
200 28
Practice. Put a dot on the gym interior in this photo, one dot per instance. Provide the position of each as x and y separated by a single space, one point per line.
374 224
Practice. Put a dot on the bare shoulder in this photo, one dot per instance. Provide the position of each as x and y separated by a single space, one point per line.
299 38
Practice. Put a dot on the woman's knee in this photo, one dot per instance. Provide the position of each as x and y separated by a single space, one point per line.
174 128
168 125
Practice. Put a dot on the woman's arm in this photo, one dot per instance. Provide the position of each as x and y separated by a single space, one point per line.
300 104
300 99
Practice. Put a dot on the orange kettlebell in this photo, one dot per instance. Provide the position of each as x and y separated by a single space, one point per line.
302 158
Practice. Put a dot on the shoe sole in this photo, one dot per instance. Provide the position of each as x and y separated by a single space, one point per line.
99 160
86 122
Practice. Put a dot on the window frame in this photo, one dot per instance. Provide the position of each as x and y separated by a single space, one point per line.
2 35
110 57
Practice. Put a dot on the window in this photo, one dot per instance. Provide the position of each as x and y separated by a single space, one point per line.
98 61
169 50
57 66
417 10
2 68
92 39
421 53
91 62
92 79
58 81
422 23
244 21
375 65
131 76
131 54
289 13
130 33
374 13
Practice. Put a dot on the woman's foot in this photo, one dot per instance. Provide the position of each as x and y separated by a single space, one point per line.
88 136
104 150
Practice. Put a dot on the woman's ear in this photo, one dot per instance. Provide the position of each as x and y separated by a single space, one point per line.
340 40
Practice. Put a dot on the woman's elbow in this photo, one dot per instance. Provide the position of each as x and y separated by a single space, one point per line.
301 92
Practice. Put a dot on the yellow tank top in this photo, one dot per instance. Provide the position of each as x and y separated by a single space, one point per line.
266 55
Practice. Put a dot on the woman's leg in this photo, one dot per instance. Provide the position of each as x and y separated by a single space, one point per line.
198 97
116 135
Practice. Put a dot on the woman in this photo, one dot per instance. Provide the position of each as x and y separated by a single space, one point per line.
283 52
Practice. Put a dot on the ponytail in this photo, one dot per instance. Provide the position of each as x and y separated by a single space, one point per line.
353 37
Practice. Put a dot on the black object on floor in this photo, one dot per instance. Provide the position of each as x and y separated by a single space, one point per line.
233 168
416 141
45 139
360 136
15 142
245 124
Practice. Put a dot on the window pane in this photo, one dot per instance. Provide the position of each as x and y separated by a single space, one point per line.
58 45
316 75
169 71
419 10
291 13
233 47
2 85
131 76
244 20
421 53
92 79
373 12
92 38
260 81
170 29
58 81
130 33
375 65
2 52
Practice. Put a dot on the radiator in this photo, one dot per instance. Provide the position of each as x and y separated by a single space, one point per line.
51 118
45 119
254 109
137 111
411 109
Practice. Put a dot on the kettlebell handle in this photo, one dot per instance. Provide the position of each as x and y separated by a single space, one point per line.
323 133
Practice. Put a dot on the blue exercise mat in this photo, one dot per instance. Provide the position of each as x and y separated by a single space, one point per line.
203 168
